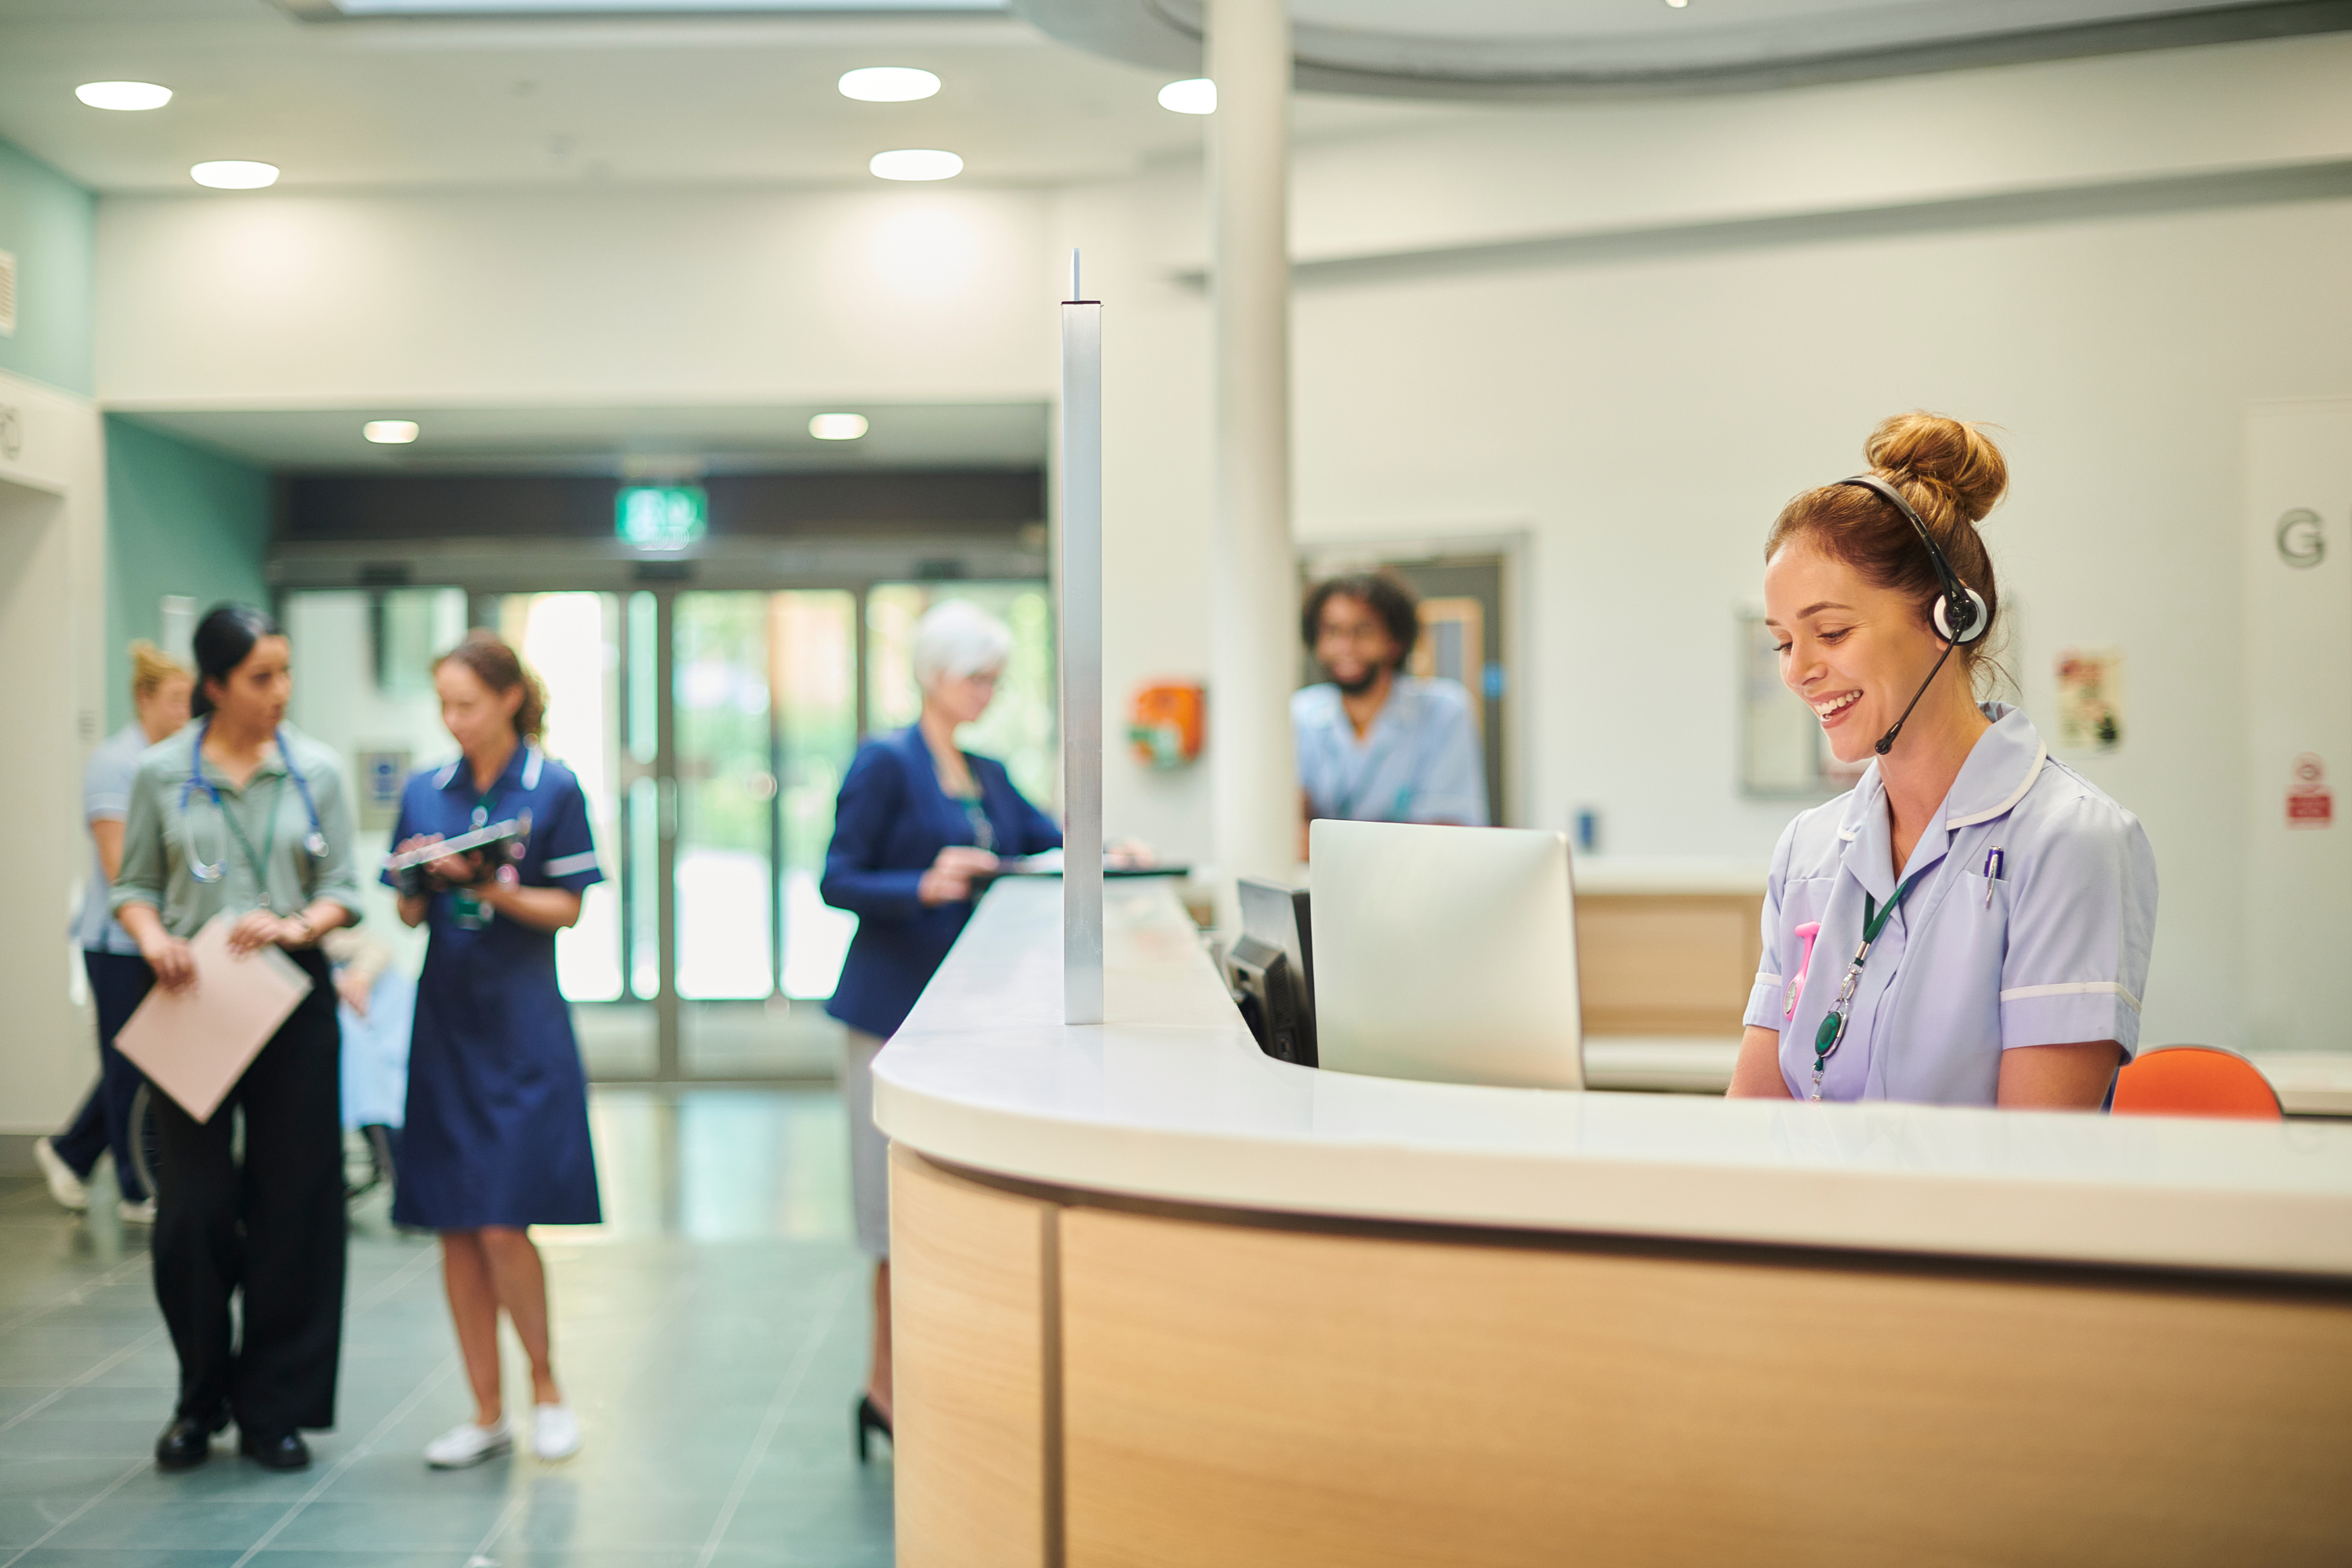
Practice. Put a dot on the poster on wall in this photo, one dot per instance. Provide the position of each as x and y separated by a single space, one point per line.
2090 699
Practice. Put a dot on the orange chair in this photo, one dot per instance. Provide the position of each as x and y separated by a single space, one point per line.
2194 1081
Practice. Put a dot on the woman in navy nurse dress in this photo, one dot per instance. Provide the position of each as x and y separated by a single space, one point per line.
496 1138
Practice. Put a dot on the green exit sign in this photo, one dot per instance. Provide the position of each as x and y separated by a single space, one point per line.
661 517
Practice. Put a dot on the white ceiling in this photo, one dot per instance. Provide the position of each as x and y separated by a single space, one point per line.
740 439
410 103
1577 49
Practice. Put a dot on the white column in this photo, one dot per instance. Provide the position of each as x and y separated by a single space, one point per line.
1253 788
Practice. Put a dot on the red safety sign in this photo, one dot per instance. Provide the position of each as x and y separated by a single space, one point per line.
2309 802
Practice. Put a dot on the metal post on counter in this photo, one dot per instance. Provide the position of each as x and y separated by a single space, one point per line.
1080 632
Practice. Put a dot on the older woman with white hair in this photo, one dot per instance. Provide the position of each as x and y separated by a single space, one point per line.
918 820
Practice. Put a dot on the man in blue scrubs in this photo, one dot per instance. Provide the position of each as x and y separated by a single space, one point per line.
1375 744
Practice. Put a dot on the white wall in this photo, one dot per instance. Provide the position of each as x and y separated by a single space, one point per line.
1639 419
52 630
595 296
1643 420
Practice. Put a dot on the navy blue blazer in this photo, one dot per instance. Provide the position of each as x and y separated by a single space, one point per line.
890 823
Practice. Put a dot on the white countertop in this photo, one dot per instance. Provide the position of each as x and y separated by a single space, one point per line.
1171 1100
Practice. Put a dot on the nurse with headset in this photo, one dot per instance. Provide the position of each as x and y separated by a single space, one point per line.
1970 924
239 817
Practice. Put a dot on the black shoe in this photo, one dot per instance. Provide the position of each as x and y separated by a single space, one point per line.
284 1452
870 1420
186 1443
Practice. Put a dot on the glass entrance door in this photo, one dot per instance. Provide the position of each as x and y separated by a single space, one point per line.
710 730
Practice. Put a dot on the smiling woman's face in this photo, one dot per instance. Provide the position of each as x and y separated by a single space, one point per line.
1854 652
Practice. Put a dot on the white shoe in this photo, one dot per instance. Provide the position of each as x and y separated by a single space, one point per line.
141 1213
468 1445
554 1431
64 1185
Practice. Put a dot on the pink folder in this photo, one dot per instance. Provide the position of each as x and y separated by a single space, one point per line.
194 1044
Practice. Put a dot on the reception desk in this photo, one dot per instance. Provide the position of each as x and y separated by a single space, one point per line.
1159 1300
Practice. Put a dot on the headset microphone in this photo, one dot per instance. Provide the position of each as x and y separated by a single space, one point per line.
1960 614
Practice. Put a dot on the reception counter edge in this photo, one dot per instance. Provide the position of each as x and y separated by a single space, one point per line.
1170 1102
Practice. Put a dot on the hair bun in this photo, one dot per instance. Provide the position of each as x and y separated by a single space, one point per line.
1958 456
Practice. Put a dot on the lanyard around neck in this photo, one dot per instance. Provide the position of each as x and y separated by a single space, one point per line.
1834 1022
259 863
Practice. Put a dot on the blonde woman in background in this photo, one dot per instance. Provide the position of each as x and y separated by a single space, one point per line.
918 825
118 977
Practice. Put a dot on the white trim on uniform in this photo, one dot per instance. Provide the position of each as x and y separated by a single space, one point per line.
572 865
531 762
2074 988
2040 755
449 771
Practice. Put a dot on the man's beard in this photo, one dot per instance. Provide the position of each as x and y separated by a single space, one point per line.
1364 683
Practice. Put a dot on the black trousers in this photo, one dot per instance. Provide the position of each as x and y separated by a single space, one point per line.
117 983
272 1226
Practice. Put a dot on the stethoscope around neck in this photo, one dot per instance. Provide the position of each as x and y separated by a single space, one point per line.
314 844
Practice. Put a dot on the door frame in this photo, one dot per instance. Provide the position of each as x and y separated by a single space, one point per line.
1405 544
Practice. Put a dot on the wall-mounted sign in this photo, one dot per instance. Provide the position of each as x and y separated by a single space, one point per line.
383 775
2309 802
2300 542
661 517
2090 699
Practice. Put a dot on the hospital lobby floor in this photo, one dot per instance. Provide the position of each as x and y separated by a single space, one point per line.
711 1334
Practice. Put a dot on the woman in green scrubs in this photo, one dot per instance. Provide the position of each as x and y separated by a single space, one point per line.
237 815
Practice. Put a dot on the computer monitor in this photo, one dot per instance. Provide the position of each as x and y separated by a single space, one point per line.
1446 953
1273 968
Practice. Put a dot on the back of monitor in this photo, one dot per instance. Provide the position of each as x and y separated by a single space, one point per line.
1271 971
1445 953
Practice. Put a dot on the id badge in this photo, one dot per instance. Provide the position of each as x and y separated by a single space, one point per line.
468 911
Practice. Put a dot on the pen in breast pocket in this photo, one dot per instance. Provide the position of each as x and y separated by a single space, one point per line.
1996 862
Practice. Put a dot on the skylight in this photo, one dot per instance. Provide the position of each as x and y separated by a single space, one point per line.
323 8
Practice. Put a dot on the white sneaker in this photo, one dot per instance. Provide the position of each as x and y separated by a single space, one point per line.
141 1213
64 1185
468 1445
554 1431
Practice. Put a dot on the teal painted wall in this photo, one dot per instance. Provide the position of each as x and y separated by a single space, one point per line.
181 519
50 225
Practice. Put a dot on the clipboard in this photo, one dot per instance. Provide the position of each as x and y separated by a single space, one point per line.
194 1044
1049 863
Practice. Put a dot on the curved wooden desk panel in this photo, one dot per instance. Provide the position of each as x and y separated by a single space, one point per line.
1271 1394
1161 1300
971 1297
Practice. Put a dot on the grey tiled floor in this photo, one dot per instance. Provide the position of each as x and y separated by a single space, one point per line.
711 1333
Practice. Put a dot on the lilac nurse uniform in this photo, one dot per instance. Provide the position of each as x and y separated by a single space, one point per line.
2031 925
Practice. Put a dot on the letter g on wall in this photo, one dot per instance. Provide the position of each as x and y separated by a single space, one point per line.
2302 542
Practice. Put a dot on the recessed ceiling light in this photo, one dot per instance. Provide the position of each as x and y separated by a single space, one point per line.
1196 96
123 94
1678 5
389 432
889 84
917 164
837 427
234 175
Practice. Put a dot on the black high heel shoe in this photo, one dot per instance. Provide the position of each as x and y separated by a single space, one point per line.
868 1421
